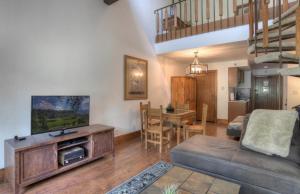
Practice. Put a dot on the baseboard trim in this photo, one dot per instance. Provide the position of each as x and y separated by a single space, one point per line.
126 137
2 172
222 121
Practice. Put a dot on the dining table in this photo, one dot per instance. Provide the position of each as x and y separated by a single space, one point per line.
178 117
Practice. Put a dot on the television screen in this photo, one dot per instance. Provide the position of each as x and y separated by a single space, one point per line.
53 113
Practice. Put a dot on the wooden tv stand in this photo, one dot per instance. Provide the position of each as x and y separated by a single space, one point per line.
36 158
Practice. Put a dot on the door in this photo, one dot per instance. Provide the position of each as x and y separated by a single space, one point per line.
38 162
207 94
268 92
102 143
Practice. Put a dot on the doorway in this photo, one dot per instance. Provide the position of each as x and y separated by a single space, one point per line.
207 94
268 92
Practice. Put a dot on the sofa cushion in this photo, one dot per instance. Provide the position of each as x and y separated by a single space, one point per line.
225 158
270 131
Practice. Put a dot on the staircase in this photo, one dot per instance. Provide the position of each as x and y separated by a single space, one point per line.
279 42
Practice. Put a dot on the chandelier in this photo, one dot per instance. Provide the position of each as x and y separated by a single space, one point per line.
196 68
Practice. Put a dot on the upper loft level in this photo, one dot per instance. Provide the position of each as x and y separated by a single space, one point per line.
218 21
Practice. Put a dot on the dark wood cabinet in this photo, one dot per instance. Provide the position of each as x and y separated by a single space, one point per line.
38 161
102 144
237 108
235 77
36 158
183 91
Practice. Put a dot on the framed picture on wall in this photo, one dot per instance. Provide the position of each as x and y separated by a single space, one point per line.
136 78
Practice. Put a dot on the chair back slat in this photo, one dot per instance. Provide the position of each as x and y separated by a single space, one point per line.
156 113
204 114
183 107
144 108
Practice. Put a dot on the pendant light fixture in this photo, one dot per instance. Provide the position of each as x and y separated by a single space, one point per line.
196 68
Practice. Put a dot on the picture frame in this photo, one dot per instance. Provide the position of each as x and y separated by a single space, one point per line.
135 78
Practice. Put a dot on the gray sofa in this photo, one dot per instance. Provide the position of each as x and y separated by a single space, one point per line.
255 172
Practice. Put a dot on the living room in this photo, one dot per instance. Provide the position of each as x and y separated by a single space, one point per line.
75 57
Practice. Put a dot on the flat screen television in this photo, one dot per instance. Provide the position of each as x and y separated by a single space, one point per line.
58 113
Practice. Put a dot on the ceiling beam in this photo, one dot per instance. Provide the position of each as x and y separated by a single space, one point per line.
109 2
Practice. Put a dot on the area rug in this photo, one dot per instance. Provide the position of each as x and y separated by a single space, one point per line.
144 179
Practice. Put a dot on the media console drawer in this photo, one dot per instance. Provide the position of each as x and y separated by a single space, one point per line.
36 158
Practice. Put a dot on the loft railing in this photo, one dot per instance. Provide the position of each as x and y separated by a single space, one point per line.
189 17
259 10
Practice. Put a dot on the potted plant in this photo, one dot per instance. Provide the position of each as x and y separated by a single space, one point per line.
171 189
170 108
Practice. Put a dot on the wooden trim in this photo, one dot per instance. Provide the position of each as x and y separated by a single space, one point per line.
222 121
126 137
2 172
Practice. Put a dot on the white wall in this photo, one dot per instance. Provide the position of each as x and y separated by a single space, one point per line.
236 34
75 47
293 92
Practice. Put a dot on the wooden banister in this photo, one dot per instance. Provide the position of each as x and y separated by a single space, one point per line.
298 31
196 11
285 5
207 9
234 6
265 18
186 17
251 20
221 8
175 16
157 23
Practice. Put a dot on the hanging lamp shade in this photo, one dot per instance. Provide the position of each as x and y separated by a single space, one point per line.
196 68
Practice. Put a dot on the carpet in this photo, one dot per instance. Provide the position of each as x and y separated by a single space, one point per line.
144 179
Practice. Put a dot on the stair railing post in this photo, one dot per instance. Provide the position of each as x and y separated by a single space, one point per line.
255 25
280 32
298 31
265 15
251 23
221 11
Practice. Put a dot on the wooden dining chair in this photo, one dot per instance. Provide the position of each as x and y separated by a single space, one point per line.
152 119
157 134
182 107
196 128
144 118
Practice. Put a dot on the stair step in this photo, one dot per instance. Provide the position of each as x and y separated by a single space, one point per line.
285 57
286 34
286 14
291 21
273 47
295 71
